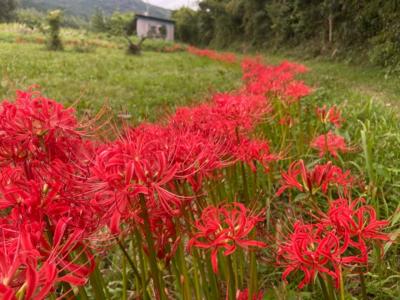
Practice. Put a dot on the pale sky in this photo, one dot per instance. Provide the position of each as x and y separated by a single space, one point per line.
173 4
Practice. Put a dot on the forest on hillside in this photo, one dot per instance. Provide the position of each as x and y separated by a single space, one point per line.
357 31
363 31
76 13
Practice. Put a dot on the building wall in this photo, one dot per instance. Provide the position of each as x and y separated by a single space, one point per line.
143 26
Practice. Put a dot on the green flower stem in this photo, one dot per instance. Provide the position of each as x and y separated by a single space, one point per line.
245 185
158 283
142 264
98 285
198 265
324 289
239 259
213 279
363 286
82 293
197 262
184 276
232 279
342 296
124 278
253 282
178 281
128 258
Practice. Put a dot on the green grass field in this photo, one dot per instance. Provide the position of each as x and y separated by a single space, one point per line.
143 85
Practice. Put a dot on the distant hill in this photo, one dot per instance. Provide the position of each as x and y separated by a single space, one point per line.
85 8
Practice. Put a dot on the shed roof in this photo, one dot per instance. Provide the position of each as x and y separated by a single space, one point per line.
137 16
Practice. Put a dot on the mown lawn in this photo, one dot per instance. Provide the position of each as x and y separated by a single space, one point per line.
145 85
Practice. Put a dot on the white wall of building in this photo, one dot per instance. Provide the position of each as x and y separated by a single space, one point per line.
143 26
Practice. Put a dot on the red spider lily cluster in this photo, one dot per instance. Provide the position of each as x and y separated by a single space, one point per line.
330 143
44 162
276 81
227 228
63 192
339 238
226 57
321 177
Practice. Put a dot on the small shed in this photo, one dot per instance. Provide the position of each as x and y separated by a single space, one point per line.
153 27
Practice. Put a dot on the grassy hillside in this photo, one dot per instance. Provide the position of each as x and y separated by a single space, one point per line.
86 7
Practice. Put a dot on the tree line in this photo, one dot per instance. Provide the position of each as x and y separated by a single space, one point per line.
366 29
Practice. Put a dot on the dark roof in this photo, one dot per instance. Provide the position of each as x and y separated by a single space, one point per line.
154 18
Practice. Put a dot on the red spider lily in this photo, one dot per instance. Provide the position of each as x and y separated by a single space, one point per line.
226 227
296 90
121 174
295 68
310 250
43 169
332 115
211 126
276 80
166 239
251 151
228 114
31 264
53 199
254 68
330 143
147 161
244 295
198 155
44 157
356 224
243 110
321 177
35 128
340 238
223 57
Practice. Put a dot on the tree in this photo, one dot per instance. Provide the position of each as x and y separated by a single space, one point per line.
120 23
186 24
7 9
31 17
98 23
338 28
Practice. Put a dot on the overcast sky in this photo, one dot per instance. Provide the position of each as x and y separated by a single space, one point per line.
173 4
